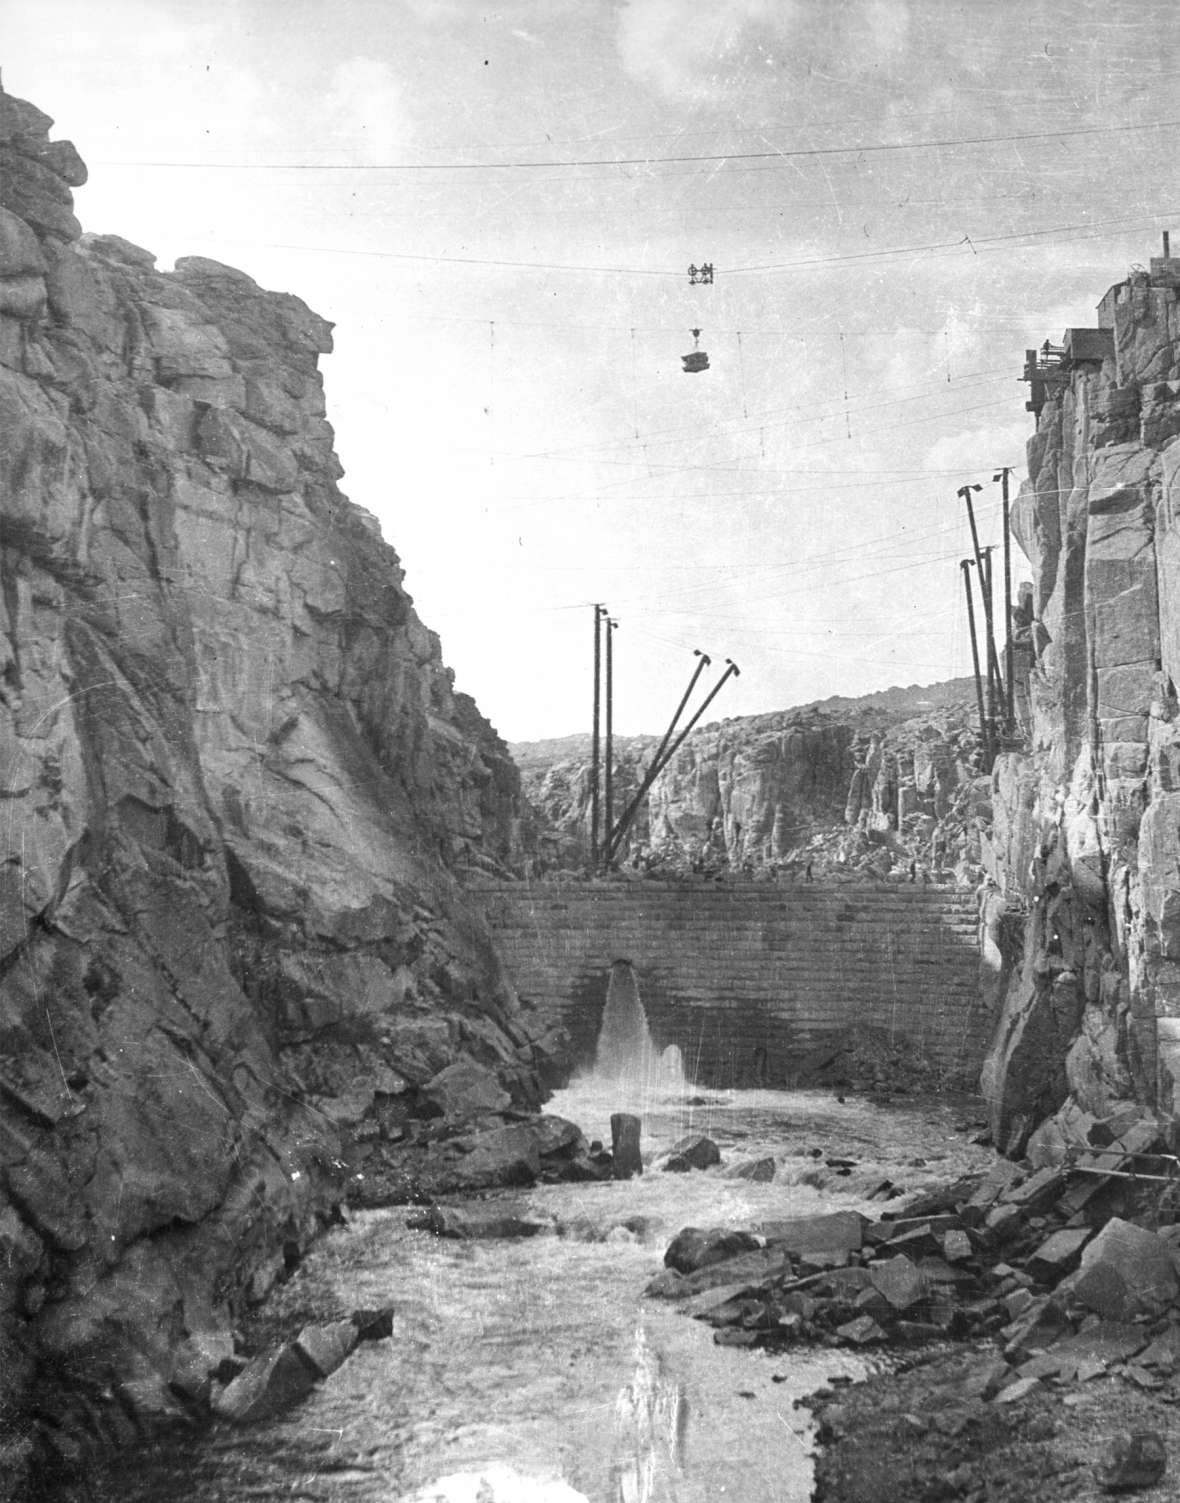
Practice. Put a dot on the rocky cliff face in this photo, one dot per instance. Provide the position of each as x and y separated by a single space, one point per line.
846 785
235 785
1087 912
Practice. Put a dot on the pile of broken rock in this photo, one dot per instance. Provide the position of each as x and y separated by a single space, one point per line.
1059 1274
210 1378
458 1133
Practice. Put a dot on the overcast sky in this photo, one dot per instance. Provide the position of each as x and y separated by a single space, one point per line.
497 205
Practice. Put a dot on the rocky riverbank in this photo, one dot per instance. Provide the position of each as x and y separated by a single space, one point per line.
1029 1319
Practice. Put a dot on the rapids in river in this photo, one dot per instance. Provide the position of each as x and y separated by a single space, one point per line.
535 1371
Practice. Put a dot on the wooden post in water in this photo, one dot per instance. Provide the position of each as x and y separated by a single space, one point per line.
626 1159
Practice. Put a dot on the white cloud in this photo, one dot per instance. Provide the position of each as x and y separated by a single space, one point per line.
363 114
995 444
686 49
887 23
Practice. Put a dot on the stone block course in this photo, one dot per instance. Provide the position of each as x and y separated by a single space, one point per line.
747 978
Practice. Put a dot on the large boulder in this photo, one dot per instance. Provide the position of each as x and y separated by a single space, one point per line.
1127 1272
693 1248
837 1231
269 1384
465 1090
327 1346
692 1152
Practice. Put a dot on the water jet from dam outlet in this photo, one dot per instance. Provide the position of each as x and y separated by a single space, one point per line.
627 1060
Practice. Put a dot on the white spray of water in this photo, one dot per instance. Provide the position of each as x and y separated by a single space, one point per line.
627 1061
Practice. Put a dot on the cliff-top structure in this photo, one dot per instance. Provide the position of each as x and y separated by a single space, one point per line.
235 785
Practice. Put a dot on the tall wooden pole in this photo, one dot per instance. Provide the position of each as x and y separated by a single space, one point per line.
614 837
1009 681
995 682
608 780
594 738
993 667
965 565
653 772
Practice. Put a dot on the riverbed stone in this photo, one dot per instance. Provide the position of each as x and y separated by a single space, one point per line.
373 1325
956 1246
267 1385
694 1248
1131 1460
809 1234
1039 1326
1059 1252
557 1137
327 1346
892 1230
862 1330
1126 1271
692 1152
758 1171
761 1267
899 1281
668 1284
479 1223
1013 1392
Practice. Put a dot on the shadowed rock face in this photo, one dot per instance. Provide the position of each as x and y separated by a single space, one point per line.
1087 821
236 783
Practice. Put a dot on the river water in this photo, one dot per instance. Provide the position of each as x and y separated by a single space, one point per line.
535 1371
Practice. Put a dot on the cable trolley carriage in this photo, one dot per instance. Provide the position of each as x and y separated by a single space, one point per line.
696 360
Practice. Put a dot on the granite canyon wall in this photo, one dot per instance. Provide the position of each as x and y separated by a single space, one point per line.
1087 820
236 785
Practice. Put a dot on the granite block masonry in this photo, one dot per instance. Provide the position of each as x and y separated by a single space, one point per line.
748 978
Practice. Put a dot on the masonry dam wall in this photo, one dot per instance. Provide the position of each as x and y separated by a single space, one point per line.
749 978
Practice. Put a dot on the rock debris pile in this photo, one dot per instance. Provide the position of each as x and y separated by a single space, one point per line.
1033 1257
1024 1282
460 1132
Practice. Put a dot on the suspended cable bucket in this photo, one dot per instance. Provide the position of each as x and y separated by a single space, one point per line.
696 360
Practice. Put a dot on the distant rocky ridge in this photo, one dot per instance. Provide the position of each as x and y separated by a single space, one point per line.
237 790
848 786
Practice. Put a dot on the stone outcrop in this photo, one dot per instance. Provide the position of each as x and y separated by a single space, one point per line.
851 786
1087 819
236 784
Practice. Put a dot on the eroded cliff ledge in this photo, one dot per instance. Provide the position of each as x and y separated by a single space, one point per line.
235 785
1088 820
